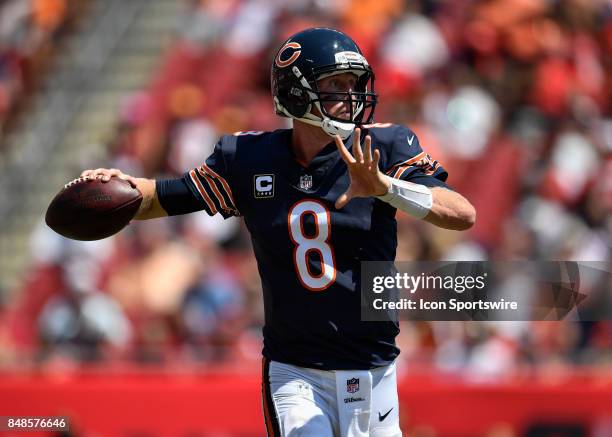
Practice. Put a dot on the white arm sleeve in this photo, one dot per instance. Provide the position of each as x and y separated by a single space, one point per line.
411 198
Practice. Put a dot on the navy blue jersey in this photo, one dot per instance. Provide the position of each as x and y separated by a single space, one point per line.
308 253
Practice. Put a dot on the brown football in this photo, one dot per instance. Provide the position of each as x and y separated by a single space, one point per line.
92 210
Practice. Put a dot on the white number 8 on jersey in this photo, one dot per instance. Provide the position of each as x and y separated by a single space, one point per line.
317 243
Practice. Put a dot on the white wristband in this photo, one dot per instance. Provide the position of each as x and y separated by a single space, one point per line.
411 198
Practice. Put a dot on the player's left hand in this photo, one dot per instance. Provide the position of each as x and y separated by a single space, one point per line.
366 178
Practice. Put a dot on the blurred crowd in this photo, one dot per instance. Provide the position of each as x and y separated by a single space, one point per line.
513 97
29 31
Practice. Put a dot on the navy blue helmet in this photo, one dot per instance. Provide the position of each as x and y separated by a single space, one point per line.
311 55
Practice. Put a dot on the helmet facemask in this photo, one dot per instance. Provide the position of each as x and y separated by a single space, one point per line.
361 101
304 90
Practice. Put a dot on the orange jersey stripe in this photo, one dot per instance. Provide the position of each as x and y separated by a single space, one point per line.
400 171
202 192
224 183
416 158
266 407
396 168
215 190
407 162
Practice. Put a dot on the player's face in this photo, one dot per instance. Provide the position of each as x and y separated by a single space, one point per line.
339 83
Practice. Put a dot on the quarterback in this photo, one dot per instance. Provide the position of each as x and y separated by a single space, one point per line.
318 199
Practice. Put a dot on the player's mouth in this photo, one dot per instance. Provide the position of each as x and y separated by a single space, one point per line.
340 110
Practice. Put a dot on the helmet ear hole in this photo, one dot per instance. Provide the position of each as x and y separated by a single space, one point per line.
299 106
295 99
291 94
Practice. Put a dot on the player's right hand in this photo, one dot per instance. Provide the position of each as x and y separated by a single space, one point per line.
105 174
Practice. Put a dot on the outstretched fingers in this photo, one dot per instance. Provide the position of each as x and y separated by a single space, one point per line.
362 167
344 153
367 154
357 146
376 160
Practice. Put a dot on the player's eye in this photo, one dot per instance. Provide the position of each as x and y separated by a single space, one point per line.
334 84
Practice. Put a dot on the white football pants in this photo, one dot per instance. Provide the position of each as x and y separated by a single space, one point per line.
299 401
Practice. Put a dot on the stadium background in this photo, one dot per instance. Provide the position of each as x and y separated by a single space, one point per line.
156 331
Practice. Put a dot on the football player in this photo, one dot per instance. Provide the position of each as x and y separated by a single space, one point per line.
318 199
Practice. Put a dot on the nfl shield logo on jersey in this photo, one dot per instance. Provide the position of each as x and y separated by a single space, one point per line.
305 182
352 385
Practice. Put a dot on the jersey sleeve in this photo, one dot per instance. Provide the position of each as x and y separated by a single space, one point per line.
210 183
406 160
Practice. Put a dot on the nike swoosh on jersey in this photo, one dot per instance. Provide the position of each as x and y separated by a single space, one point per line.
384 416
